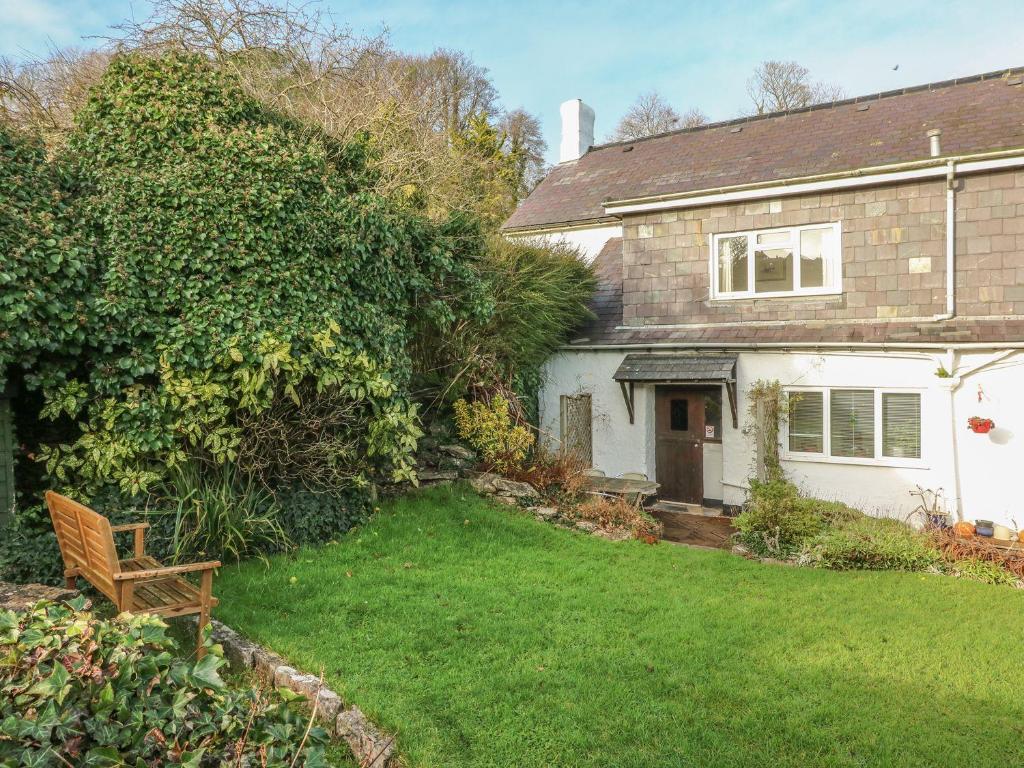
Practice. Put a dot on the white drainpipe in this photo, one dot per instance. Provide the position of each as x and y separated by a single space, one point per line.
950 243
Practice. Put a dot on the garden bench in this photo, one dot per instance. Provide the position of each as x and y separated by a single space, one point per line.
140 584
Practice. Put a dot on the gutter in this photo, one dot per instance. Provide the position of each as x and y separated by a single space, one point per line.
876 175
543 229
782 345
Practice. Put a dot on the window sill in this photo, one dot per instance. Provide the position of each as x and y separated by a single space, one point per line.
827 296
885 462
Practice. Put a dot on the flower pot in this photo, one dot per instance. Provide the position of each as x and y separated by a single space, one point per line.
979 425
963 529
984 528
1001 532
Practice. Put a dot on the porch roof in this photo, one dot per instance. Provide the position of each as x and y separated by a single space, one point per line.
653 368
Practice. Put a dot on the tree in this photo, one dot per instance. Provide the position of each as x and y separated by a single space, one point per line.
651 114
294 58
777 86
451 88
525 142
41 96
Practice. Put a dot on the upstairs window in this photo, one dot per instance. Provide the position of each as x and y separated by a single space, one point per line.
791 261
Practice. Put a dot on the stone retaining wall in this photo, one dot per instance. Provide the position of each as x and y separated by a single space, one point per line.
372 747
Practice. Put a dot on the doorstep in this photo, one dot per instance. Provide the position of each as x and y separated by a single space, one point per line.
693 524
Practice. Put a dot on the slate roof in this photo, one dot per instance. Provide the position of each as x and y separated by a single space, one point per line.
606 303
646 367
976 114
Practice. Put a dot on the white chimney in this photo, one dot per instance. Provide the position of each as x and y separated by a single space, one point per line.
577 130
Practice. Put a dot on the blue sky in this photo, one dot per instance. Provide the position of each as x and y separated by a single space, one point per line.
695 54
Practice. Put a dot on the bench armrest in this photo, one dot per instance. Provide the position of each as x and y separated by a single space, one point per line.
170 570
140 535
128 527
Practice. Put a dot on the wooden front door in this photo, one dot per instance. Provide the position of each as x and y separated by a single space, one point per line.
679 450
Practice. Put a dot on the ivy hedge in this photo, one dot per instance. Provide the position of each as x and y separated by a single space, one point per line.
192 281
207 259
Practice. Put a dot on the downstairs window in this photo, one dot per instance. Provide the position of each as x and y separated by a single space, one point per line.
854 424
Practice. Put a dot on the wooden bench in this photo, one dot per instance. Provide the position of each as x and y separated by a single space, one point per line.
139 584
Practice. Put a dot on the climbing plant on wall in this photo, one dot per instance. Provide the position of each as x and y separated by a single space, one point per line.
768 408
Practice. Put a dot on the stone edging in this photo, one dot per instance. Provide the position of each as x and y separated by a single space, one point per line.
372 747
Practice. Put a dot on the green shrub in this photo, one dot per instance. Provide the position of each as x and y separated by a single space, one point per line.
490 431
309 517
776 520
221 515
28 548
233 263
44 265
77 690
834 512
535 297
872 543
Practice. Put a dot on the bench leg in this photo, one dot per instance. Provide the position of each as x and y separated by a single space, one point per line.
205 593
71 578
127 596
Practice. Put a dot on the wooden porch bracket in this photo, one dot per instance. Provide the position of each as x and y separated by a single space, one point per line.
627 395
730 388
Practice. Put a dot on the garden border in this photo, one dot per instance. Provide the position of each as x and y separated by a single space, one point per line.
371 746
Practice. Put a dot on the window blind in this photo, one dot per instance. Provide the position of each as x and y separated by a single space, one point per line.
807 422
852 423
901 425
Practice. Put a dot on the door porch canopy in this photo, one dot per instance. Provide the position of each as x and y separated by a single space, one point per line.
648 368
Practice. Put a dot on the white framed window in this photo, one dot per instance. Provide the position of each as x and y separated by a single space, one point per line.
851 425
786 261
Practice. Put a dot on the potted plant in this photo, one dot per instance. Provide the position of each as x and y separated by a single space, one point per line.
980 425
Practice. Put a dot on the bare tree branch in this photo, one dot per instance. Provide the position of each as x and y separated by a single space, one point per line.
777 86
651 114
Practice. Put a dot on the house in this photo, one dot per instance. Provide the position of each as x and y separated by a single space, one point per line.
867 254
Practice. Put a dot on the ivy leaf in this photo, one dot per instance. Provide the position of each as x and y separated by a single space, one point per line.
205 672
53 687
8 626
79 603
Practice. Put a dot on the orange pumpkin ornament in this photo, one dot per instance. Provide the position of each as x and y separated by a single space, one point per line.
964 529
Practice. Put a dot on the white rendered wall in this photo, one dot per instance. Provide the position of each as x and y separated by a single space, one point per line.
712 469
989 465
590 240
618 445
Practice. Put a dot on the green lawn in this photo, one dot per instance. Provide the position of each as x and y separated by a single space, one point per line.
485 638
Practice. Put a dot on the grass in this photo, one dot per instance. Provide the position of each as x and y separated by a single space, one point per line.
485 638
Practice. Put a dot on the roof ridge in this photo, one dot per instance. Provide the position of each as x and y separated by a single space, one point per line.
994 75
